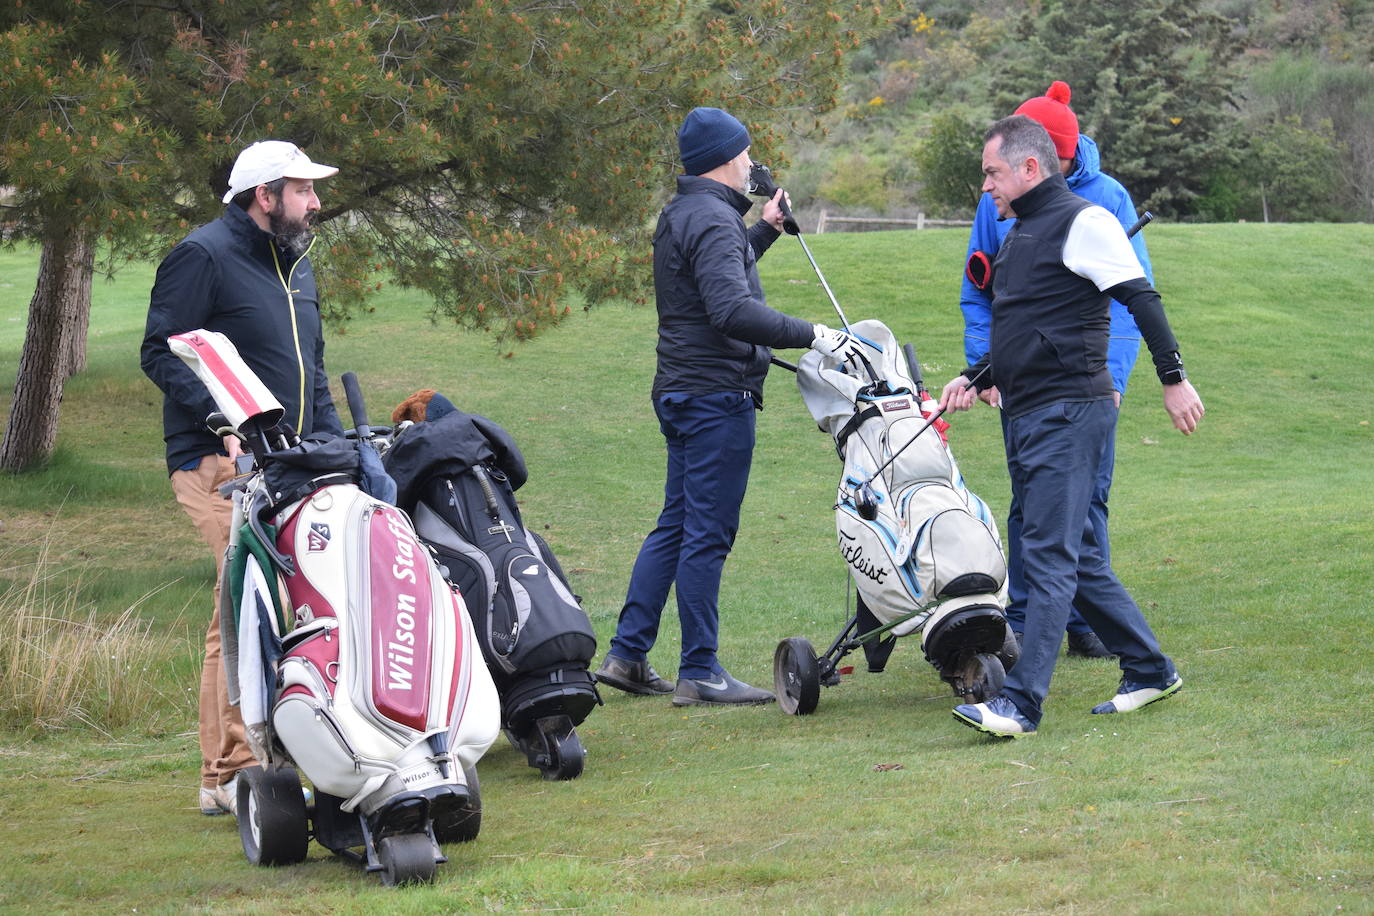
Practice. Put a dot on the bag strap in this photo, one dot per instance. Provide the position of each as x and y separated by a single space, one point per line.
858 419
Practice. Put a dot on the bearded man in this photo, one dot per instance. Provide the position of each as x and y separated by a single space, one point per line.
246 275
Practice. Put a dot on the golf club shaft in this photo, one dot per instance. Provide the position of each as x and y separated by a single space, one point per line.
1140 223
937 415
844 322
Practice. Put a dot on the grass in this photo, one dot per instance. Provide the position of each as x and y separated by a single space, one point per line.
1247 544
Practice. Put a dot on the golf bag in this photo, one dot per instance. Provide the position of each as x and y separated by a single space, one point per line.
928 556
347 652
456 473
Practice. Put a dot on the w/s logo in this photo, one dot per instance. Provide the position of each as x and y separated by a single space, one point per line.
318 537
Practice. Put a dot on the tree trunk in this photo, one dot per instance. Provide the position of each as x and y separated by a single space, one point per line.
60 307
80 270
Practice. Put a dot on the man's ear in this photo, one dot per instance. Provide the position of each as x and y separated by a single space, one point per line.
264 197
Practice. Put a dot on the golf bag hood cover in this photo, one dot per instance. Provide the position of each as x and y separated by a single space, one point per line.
287 470
449 446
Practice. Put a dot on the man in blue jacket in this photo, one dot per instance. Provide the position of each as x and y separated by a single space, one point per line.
1080 165
248 276
714 338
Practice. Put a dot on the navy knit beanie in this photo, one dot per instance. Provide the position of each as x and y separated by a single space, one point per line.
710 137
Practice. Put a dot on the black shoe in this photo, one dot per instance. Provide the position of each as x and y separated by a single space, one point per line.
1087 645
632 677
720 689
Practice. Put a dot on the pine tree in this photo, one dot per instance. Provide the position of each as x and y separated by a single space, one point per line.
1153 84
494 153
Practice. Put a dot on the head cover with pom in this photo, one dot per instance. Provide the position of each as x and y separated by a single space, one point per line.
1053 112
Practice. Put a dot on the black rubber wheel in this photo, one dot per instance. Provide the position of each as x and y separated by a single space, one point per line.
982 677
406 858
273 824
1011 651
461 825
567 756
796 676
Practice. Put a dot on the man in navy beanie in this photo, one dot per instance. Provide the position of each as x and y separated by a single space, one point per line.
715 335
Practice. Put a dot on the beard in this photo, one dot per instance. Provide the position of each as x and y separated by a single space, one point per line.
293 235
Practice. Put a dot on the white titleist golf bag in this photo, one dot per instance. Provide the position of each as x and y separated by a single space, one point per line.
365 674
922 549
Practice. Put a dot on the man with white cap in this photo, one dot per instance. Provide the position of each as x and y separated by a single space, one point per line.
246 275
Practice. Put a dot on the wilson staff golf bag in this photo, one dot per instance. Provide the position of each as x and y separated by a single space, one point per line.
365 673
456 473
922 549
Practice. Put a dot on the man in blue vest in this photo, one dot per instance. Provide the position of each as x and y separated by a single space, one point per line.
1060 265
248 276
1080 165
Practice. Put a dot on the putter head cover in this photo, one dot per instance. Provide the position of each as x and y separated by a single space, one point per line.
838 345
979 269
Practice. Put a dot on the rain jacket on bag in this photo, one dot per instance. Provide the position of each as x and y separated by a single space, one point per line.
1088 181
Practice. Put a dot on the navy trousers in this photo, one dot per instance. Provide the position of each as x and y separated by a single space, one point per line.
710 445
1097 517
1053 455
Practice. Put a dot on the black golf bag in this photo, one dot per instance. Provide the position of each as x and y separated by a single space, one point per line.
456 474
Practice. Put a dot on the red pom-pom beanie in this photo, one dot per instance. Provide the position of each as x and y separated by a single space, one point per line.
1052 110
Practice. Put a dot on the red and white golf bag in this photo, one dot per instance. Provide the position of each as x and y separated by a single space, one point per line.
367 676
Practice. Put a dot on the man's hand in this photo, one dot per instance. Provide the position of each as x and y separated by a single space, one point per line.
958 395
772 209
233 446
990 396
1184 406
837 344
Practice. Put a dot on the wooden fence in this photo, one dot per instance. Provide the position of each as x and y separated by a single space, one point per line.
826 221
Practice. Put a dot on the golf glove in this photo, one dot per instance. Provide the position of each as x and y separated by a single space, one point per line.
839 345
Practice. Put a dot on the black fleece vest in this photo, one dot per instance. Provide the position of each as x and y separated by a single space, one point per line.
1049 326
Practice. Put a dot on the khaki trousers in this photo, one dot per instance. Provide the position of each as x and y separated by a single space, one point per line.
223 750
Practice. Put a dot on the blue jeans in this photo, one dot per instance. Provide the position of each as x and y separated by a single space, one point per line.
1097 517
710 445
1053 454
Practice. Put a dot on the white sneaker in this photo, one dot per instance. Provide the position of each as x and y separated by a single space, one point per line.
222 799
1130 695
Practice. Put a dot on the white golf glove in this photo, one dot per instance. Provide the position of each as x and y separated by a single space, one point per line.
836 344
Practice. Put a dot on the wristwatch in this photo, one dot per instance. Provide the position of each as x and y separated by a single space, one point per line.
1172 373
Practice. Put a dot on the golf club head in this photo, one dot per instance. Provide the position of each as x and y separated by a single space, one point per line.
761 182
866 502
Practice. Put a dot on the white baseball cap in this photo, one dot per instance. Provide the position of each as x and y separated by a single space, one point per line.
268 160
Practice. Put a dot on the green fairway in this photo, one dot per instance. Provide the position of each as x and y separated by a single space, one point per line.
1247 544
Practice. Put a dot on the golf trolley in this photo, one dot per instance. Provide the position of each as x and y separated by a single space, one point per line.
921 548
351 659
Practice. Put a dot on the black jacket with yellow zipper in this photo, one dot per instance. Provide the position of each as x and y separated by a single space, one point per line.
230 276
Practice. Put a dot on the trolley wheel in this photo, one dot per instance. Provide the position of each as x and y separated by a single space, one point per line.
981 678
406 858
796 676
462 824
1011 651
566 756
273 824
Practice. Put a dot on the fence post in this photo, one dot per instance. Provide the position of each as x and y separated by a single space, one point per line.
820 223
920 219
